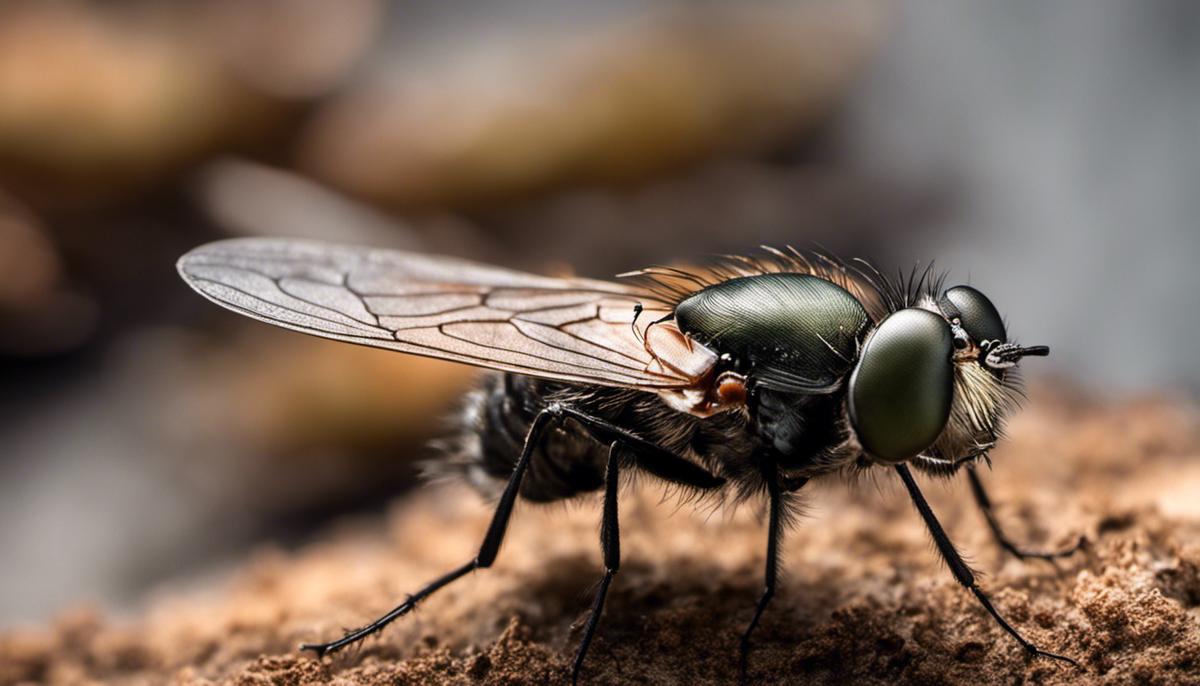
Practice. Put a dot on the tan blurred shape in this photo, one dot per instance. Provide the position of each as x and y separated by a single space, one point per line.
289 48
288 392
38 314
484 120
262 422
250 199
100 99
29 265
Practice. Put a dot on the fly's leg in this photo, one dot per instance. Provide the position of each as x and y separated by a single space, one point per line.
485 557
645 455
962 573
649 456
985 505
610 542
774 525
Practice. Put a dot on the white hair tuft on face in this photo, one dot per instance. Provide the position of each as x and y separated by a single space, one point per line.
981 402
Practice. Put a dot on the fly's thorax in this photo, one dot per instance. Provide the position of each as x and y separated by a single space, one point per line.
788 332
808 433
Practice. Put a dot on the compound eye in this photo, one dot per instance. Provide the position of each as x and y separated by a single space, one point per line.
978 315
901 388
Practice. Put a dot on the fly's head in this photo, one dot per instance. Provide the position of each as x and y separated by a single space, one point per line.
986 384
934 382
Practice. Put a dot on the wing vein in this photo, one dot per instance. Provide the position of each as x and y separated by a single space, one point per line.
449 334
279 286
577 351
270 303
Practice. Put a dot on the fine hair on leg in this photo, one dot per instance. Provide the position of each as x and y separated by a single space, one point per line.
962 573
610 543
771 573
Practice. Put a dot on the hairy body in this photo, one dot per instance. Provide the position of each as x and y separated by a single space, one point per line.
569 461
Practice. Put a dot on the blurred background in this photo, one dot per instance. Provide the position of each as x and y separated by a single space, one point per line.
1048 153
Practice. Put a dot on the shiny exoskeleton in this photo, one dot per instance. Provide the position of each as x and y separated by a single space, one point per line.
753 375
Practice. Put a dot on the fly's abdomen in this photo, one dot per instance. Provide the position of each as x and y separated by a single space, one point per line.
568 461
565 463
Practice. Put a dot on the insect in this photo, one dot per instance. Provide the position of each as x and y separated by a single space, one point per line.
748 377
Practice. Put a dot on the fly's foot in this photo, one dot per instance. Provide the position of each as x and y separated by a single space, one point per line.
1051 555
1035 651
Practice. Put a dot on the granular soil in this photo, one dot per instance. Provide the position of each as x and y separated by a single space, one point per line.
863 598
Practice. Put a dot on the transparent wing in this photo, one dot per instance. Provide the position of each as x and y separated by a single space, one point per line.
576 330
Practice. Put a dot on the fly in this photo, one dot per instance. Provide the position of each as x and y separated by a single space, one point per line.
750 377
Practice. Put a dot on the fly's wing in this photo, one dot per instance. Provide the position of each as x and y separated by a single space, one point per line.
575 330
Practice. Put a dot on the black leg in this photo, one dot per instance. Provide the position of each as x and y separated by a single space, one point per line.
962 573
653 458
610 542
485 557
985 505
774 525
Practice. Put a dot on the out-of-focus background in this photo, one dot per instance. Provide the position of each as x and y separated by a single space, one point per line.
1048 153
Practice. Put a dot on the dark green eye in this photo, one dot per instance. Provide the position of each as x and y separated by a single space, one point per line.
979 316
901 389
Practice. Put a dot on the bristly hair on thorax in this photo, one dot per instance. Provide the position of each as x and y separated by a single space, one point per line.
879 294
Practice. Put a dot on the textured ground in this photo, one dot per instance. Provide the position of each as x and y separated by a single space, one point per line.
864 600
